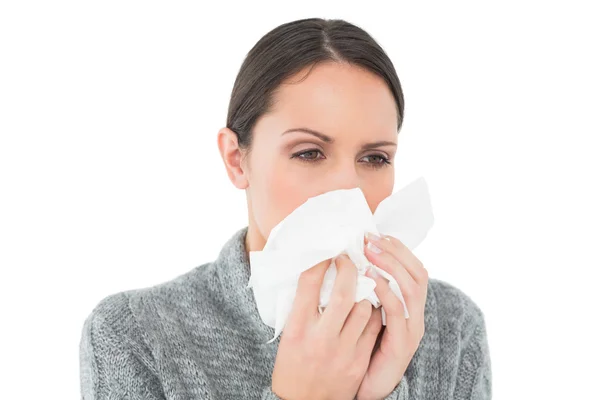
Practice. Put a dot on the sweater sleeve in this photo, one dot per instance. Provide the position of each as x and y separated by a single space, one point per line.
268 394
474 377
400 392
114 362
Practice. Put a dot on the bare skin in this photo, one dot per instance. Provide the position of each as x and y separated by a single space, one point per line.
326 356
354 116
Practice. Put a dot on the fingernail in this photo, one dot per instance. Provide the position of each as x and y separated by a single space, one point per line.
373 248
373 237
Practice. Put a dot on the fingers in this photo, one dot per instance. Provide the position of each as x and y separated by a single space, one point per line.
356 322
368 338
400 252
409 288
342 297
411 276
308 293
394 311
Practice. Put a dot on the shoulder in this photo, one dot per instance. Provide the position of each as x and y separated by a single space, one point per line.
134 311
463 344
111 327
110 313
120 336
111 345
131 315
455 307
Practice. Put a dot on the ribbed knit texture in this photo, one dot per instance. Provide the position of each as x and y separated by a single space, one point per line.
200 336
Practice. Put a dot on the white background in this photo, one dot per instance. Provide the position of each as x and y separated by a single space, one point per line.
111 178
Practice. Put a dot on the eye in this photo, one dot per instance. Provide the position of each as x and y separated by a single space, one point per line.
379 160
307 155
312 155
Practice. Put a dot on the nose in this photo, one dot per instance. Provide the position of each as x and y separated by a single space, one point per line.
344 176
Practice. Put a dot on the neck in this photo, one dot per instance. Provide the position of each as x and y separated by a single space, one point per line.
255 241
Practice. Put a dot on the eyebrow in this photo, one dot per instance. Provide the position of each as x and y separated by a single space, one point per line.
328 139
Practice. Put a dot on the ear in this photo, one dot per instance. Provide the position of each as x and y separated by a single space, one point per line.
232 157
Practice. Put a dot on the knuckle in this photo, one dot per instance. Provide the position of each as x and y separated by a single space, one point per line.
337 300
342 260
412 289
363 309
307 278
394 307
292 335
346 266
307 282
356 372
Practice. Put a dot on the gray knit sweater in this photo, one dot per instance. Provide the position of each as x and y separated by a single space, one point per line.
200 336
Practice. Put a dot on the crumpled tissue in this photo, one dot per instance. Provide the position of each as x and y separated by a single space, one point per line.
325 226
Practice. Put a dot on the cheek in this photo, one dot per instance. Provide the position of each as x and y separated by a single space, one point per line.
277 190
287 191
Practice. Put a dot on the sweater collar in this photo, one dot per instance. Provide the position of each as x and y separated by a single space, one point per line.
233 271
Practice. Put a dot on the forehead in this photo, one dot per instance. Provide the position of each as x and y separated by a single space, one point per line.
336 97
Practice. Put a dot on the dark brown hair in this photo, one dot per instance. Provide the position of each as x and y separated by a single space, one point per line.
289 48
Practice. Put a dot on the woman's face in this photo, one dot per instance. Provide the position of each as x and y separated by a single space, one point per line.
353 119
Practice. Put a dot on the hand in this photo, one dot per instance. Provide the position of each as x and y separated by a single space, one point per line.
401 337
325 356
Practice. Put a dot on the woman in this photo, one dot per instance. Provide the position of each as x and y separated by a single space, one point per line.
316 106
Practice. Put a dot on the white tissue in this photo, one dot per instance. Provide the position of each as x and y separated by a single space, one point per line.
328 225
